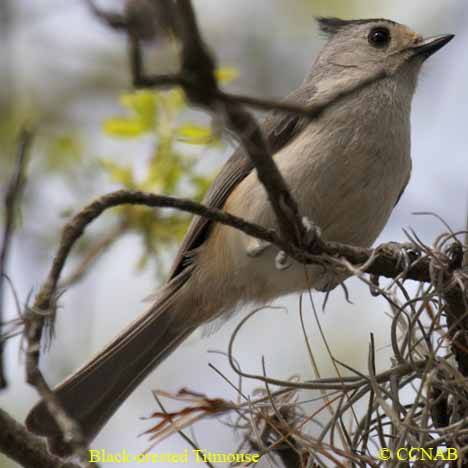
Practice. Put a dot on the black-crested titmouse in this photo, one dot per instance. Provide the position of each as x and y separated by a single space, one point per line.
346 169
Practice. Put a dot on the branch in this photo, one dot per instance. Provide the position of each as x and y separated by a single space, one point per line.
145 19
377 262
383 263
457 324
12 195
13 430
338 383
311 110
279 196
25 448
457 305
202 89
113 20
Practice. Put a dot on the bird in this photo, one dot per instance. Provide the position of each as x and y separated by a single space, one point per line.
346 169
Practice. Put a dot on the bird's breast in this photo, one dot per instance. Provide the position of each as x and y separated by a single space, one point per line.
345 180
349 183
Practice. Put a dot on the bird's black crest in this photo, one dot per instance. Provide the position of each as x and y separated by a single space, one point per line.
331 25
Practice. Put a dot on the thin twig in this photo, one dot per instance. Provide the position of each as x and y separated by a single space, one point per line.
180 431
76 226
12 197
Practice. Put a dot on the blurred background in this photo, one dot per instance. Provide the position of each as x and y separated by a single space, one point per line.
66 73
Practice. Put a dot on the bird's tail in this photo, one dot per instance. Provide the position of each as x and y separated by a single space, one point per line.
93 393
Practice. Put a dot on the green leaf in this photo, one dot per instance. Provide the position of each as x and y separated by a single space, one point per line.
143 104
124 128
195 134
226 74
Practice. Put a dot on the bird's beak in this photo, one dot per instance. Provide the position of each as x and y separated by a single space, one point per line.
431 45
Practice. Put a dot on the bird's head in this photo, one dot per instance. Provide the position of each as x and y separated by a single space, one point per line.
366 44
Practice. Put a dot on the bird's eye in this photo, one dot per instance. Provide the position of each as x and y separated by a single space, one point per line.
379 37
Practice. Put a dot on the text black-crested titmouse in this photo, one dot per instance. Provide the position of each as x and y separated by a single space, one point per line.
346 169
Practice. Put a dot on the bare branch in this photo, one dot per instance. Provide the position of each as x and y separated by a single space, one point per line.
12 196
312 110
382 263
113 20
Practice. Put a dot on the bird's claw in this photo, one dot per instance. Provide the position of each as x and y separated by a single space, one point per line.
313 232
282 261
313 235
256 247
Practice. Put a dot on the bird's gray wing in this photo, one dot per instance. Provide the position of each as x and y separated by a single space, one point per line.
279 129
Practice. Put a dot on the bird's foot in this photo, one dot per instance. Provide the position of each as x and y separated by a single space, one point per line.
282 261
256 247
313 236
313 232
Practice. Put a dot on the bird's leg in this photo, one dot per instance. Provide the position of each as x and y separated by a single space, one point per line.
282 261
313 234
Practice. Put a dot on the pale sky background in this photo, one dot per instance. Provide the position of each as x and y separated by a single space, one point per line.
58 46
